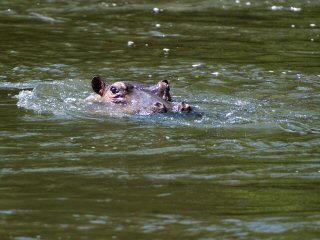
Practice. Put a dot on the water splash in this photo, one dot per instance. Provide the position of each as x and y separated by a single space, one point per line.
248 106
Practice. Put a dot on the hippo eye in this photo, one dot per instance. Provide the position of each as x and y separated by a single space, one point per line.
114 90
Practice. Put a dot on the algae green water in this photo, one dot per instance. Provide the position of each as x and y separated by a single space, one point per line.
248 167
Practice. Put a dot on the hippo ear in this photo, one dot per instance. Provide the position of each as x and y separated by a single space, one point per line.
98 85
164 92
165 81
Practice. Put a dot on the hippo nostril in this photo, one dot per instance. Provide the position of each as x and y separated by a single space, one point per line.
157 104
184 107
159 107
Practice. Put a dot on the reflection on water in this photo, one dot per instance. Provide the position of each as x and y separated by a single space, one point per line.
246 167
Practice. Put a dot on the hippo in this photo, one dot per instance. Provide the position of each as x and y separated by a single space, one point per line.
134 98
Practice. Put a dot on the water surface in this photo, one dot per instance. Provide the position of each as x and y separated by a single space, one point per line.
247 168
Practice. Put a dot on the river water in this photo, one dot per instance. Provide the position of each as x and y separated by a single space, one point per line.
246 167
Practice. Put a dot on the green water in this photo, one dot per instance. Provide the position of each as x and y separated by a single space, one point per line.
247 168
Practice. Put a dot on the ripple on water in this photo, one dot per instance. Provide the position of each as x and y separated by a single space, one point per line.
221 110
45 18
294 126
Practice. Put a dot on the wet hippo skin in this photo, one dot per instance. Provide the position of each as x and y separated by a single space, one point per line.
138 98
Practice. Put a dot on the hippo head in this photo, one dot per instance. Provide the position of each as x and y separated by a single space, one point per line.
117 92
134 98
